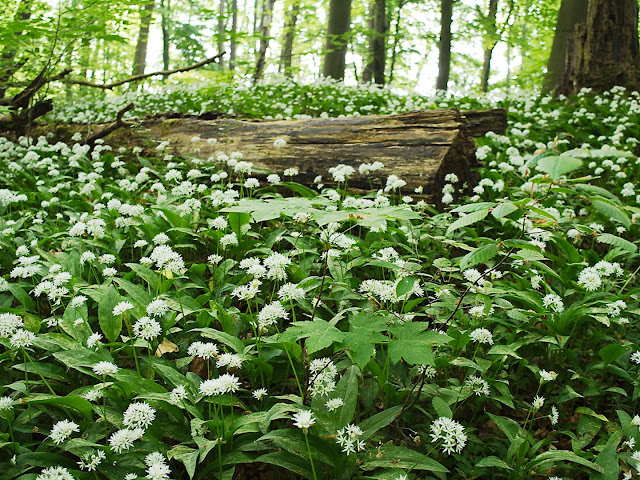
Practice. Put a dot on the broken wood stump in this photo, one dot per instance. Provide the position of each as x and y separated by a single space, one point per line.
420 147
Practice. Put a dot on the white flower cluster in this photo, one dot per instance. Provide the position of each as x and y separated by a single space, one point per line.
450 433
225 383
349 439
322 374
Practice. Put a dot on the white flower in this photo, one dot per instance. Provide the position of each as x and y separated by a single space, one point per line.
271 313
22 339
122 307
94 340
450 432
123 439
334 404
547 376
6 403
139 415
348 439
9 324
226 383
55 473
105 368
291 172
538 402
229 360
202 350
91 460
78 301
303 419
157 308
554 302
62 430
147 328
589 279
178 394
481 335
259 393
478 385
554 415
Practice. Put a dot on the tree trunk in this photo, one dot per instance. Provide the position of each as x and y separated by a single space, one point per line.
490 43
140 57
396 40
380 42
570 14
604 52
444 45
166 14
337 39
367 72
419 147
291 21
234 31
265 31
221 30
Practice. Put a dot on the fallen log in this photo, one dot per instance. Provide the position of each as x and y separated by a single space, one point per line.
419 147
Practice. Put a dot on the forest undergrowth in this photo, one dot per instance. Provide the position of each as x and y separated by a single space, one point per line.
184 317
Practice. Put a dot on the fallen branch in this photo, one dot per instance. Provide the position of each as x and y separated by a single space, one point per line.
137 78
22 99
112 127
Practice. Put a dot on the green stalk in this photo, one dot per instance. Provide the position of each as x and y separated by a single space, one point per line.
306 439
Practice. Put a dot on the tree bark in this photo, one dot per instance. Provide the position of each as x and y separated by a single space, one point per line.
396 39
291 21
444 45
140 57
337 41
419 147
367 72
490 44
166 36
234 31
604 52
221 30
265 31
570 14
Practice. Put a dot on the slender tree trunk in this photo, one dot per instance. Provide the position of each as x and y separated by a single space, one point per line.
221 30
140 57
509 38
490 44
265 31
380 42
444 59
604 52
337 41
570 14
165 5
258 6
291 21
367 73
396 40
234 32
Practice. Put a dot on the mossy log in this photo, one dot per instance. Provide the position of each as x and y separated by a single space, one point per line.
420 147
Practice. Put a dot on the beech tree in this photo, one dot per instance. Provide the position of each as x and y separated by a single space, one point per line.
444 44
337 38
140 57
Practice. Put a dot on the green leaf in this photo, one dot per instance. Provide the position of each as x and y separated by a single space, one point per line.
612 211
611 353
80 404
365 332
413 344
319 334
405 285
230 340
616 241
380 420
503 210
557 166
479 255
468 219
347 389
293 463
110 324
402 457
292 440
186 455
560 457
493 462
237 220
608 459
441 407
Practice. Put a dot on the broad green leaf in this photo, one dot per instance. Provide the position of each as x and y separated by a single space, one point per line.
186 455
405 285
611 353
557 166
229 340
616 241
110 324
612 211
493 462
319 334
295 464
292 440
80 404
371 425
413 344
402 457
504 209
468 219
479 255
441 407
560 457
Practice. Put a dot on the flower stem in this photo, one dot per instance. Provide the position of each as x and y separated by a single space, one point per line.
306 439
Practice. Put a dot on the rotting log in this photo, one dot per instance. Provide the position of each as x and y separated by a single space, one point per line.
420 147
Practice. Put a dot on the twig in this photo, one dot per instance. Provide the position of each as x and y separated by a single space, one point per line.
137 78
91 140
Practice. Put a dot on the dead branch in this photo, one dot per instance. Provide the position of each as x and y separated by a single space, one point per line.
137 78
22 99
119 123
